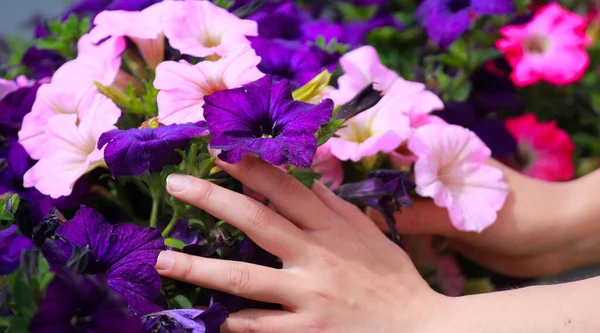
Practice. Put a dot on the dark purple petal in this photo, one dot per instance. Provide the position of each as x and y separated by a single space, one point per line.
262 118
93 7
187 320
135 151
82 303
12 245
444 27
42 63
493 133
493 7
13 107
126 253
280 21
292 60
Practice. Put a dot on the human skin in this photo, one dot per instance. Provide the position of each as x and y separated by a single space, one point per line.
341 274
544 228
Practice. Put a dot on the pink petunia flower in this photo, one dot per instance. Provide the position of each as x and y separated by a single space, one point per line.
183 85
451 169
551 47
388 124
362 67
329 166
94 63
202 29
143 28
545 151
71 145
52 99
6 87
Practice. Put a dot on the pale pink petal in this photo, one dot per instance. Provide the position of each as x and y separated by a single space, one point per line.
451 169
201 29
94 63
6 87
329 166
183 86
52 99
362 67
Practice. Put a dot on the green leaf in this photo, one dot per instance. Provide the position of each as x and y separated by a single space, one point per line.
225 4
306 177
18 324
6 216
180 302
175 243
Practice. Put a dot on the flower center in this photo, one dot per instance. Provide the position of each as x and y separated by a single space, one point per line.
211 40
357 133
458 5
265 129
536 44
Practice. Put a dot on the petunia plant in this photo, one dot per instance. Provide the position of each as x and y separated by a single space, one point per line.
385 102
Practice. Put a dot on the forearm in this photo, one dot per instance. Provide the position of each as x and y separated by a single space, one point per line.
570 307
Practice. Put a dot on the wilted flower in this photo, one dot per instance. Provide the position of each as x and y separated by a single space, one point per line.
451 169
545 151
187 320
262 118
124 253
183 85
551 47
82 303
384 190
446 20
12 244
135 151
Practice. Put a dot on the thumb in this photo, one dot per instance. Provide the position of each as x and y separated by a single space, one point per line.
424 217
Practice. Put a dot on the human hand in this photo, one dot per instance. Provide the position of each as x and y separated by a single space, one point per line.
543 229
340 273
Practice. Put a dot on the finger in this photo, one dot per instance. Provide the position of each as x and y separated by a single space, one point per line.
347 211
424 217
292 199
517 266
238 278
263 321
265 227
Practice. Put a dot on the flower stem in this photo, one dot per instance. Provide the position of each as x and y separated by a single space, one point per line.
154 213
191 161
170 226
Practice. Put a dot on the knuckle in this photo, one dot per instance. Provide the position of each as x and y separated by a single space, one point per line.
257 215
249 325
288 185
186 270
239 279
205 191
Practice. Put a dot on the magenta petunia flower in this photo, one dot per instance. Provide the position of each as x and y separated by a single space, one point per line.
135 151
124 253
544 150
262 118
550 47
451 168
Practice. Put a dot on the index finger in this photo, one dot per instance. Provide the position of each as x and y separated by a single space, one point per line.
265 227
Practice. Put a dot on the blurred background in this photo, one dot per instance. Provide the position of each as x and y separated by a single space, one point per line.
15 14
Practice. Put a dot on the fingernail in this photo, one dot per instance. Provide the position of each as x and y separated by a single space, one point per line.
177 183
165 261
323 188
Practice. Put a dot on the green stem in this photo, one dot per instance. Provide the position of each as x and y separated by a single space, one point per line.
191 162
154 214
170 226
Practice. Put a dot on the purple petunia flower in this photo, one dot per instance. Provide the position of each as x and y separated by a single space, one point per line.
262 118
384 190
42 63
13 107
134 151
291 60
187 320
82 303
280 21
182 231
124 253
93 7
11 246
446 20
